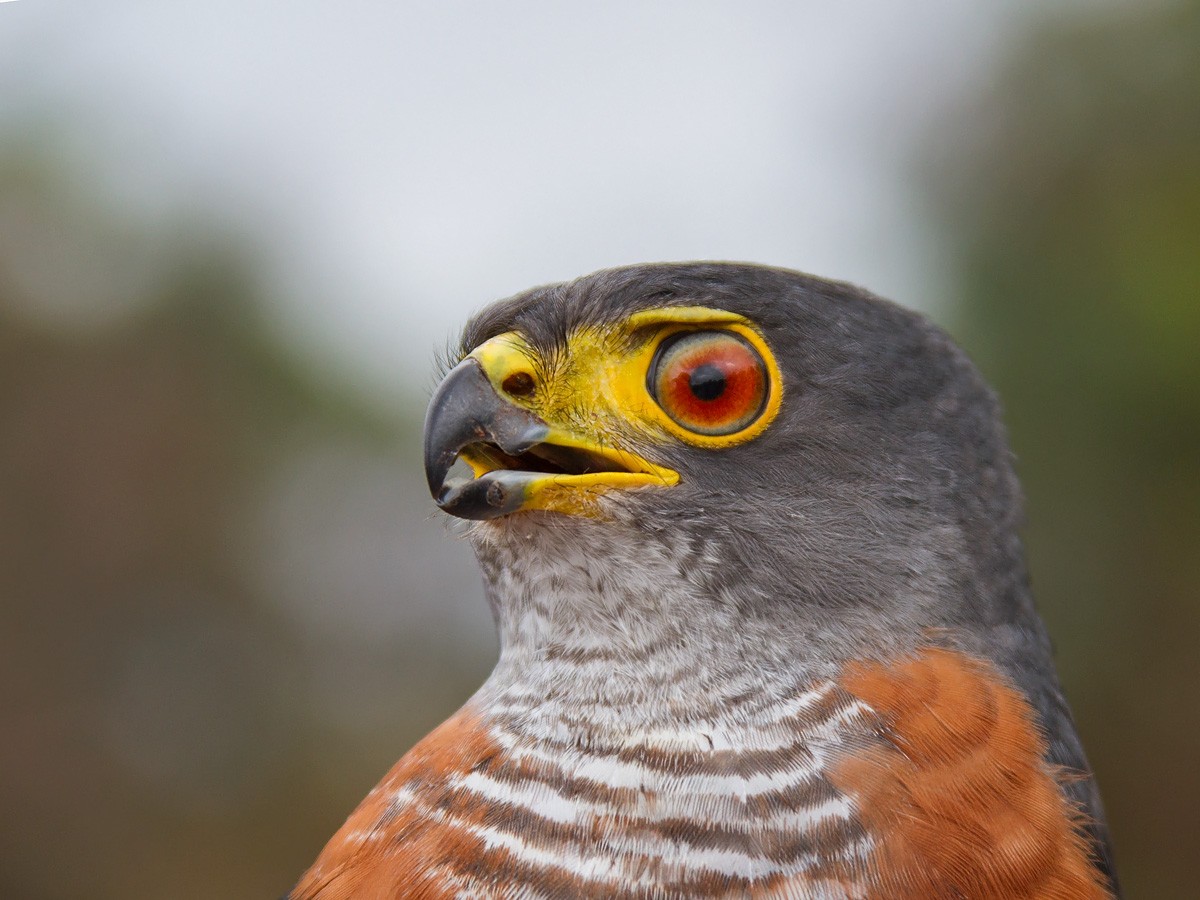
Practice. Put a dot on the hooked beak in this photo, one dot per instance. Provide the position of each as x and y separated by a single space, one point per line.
518 461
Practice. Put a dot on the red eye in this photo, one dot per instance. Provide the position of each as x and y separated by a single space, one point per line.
710 382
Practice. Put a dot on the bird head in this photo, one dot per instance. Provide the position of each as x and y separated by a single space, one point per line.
794 449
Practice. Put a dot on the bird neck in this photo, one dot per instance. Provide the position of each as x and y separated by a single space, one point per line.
590 620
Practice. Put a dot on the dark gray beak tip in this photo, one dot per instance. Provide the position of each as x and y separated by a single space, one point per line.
465 409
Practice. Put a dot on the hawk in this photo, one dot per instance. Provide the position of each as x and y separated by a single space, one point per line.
750 539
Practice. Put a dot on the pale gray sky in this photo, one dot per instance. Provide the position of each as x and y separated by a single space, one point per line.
401 164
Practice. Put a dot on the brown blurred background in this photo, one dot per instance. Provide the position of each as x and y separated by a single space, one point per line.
226 605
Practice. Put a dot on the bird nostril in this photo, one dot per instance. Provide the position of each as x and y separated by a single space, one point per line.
518 384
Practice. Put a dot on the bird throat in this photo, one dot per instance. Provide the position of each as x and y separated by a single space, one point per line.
619 632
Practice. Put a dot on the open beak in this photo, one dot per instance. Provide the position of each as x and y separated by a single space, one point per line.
517 460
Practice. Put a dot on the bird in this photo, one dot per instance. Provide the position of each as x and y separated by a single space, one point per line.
751 540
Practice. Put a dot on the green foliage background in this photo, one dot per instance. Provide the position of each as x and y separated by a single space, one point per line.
1072 216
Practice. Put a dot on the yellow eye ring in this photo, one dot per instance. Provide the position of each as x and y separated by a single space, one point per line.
612 376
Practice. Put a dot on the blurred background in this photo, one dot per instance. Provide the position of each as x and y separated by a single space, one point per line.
232 237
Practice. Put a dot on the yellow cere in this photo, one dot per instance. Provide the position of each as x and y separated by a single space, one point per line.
594 396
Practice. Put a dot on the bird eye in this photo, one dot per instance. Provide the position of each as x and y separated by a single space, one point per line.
710 382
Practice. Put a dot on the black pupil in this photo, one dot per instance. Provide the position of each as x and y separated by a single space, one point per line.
707 382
